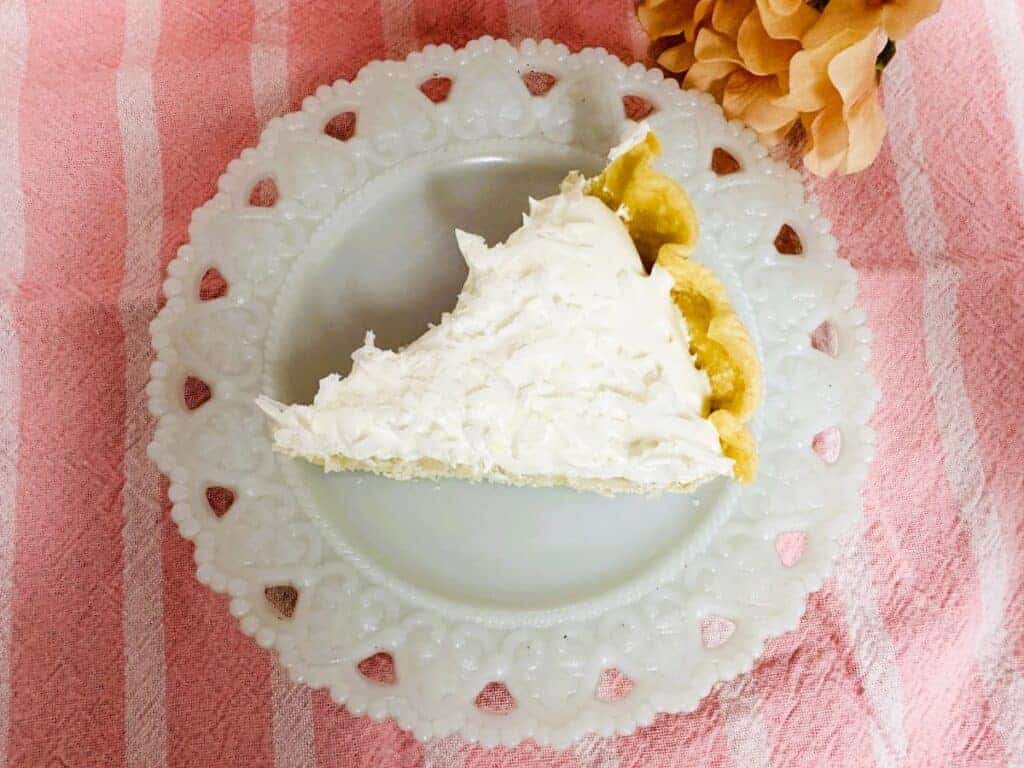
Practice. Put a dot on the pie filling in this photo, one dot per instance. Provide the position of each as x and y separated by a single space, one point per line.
564 361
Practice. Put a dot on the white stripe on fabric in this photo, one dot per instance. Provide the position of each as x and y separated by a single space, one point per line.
593 751
954 410
269 60
524 19
745 733
874 654
145 678
292 721
14 23
1006 27
445 752
398 18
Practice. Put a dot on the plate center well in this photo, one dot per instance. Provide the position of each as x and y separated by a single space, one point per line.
387 261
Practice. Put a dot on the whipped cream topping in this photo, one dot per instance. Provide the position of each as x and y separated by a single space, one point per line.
561 358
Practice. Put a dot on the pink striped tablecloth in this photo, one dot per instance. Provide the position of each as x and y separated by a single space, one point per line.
116 118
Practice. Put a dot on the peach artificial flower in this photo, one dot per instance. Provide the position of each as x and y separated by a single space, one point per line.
782 64
726 50
780 19
833 81
834 87
745 68
666 18
674 18
895 17
786 19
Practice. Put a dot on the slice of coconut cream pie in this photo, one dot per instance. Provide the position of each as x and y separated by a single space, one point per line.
564 362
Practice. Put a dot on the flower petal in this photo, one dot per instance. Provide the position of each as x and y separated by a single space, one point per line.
856 16
809 84
701 11
786 26
865 122
678 58
900 16
729 14
709 75
771 138
712 46
853 72
661 18
762 54
785 7
829 140
750 98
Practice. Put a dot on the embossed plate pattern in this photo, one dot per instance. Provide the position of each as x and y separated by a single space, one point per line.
300 579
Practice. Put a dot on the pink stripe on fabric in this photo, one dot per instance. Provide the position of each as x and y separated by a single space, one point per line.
218 680
456 22
327 41
67 653
856 587
696 738
831 723
14 23
928 590
398 22
145 670
983 151
972 738
1006 28
346 741
603 25
937 239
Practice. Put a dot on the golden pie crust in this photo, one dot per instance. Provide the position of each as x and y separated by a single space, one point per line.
663 224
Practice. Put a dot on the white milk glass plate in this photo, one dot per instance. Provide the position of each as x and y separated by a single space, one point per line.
502 613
